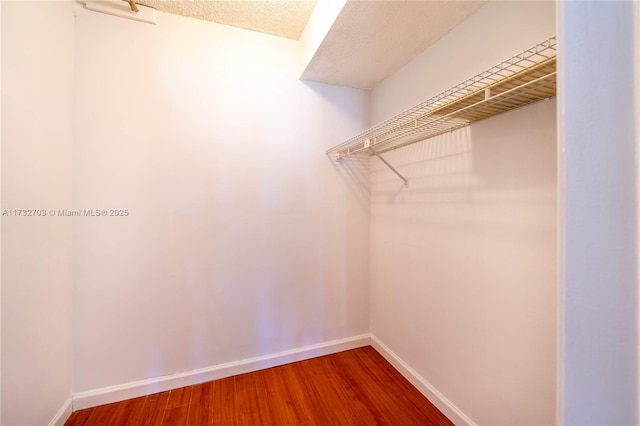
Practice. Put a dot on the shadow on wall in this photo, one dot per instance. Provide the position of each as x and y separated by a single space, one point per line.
354 170
343 106
508 157
342 115
464 263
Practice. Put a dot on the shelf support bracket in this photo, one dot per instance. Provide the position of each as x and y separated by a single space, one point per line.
373 151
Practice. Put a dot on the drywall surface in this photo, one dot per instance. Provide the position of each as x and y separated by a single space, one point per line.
370 40
599 217
463 261
320 22
37 109
239 237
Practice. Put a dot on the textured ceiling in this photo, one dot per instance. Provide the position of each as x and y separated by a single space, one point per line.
371 40
280 18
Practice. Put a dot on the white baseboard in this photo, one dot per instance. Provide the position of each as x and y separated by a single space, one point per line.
443 404
130 390
63 414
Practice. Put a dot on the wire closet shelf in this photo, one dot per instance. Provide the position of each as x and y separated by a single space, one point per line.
522 79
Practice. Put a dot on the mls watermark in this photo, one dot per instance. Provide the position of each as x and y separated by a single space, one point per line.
65 212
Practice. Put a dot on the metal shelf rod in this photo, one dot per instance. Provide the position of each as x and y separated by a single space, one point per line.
485 103
508 85
373 151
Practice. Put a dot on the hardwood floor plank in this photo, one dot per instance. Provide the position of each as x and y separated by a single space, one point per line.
79 418
367 389
199 408
272 398
294 403
176 416
222 410
401 388
300 393
334 395
382 391
128 412
357 387
103 414
154 409
311 380
352 398
247 404
179 397
393 399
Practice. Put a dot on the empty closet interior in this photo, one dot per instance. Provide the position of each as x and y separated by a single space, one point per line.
263 218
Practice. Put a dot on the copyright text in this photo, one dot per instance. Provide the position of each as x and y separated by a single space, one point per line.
65 212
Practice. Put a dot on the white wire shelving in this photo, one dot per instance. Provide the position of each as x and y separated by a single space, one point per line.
527 77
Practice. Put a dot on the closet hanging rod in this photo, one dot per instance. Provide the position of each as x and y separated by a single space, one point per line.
484 93
525 78
437 125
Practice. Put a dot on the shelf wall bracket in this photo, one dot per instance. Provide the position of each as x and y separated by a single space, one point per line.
367 144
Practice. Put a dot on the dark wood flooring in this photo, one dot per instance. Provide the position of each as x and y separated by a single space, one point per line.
356 387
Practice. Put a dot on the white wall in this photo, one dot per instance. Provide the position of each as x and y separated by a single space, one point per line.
242 238
463 261
599 275
37 109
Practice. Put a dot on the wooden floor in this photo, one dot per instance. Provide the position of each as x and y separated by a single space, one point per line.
356 387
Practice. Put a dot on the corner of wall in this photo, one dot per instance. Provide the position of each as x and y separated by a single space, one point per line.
447 407
560 218
63 413
323 16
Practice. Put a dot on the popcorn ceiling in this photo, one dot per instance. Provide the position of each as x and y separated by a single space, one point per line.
280 18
